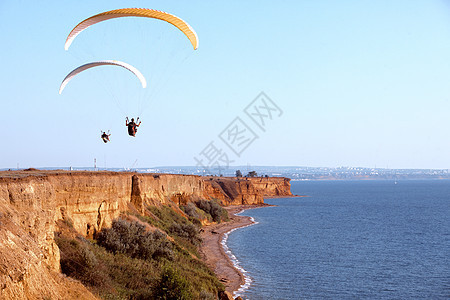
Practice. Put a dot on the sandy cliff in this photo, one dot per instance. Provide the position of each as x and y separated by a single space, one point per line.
32 201
243 191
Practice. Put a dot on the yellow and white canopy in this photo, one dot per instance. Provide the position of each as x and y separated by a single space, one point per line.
134 12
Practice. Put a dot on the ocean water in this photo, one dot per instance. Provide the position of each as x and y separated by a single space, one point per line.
348 240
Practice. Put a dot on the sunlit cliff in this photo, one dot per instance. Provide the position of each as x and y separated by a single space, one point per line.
31 203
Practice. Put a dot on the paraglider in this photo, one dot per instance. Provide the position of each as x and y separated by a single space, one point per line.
103 63
132 126
105 136
184 27
134 12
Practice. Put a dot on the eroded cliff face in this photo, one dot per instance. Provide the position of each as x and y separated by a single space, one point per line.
32 202
29 256
243 190
272 186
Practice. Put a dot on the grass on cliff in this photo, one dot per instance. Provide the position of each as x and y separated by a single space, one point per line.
205 210
212 208
186 232
130 261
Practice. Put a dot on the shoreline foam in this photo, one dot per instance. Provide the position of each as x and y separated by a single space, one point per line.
215 255
234 260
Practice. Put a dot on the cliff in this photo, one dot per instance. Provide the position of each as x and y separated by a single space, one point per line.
31 202
243 190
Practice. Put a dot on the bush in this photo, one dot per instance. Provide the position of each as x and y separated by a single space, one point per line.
131 238
196 215
204 295
166 216
191 210
252 174
187 231
217 212
126 262
79 262
172 286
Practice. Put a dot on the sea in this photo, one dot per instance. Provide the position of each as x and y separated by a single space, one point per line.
348 240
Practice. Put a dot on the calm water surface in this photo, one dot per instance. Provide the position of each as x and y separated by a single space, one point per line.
349 240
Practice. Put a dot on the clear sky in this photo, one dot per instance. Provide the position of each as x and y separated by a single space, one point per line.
359 83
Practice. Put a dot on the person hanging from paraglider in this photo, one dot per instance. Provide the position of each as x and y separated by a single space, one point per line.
105 136
132 126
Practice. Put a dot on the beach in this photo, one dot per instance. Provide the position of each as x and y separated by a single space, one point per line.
213 252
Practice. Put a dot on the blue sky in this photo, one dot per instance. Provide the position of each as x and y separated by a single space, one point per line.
359 83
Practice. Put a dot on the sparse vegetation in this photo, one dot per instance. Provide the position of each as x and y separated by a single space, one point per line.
213 208
187 231
172 286
78 261
252 174
133 239
191 210
132 260
196 215
164 217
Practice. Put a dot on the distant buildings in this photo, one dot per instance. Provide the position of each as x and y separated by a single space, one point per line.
317 173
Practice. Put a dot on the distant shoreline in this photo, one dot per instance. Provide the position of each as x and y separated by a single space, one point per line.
292 196
370 179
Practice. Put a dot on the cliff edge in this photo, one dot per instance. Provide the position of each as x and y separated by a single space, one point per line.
31 202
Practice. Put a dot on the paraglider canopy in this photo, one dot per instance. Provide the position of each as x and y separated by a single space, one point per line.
134 12
103 63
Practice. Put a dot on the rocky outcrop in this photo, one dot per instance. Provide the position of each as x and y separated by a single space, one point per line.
246 191
233 191
31 202
272 186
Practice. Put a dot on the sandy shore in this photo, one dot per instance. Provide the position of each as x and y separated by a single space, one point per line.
213 252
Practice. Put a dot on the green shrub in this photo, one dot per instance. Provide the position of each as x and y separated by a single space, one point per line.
213 208
166 217
187 231
204 295
133 239
78 261
126 261
131 277
191 210
143 294
172 286
196 214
